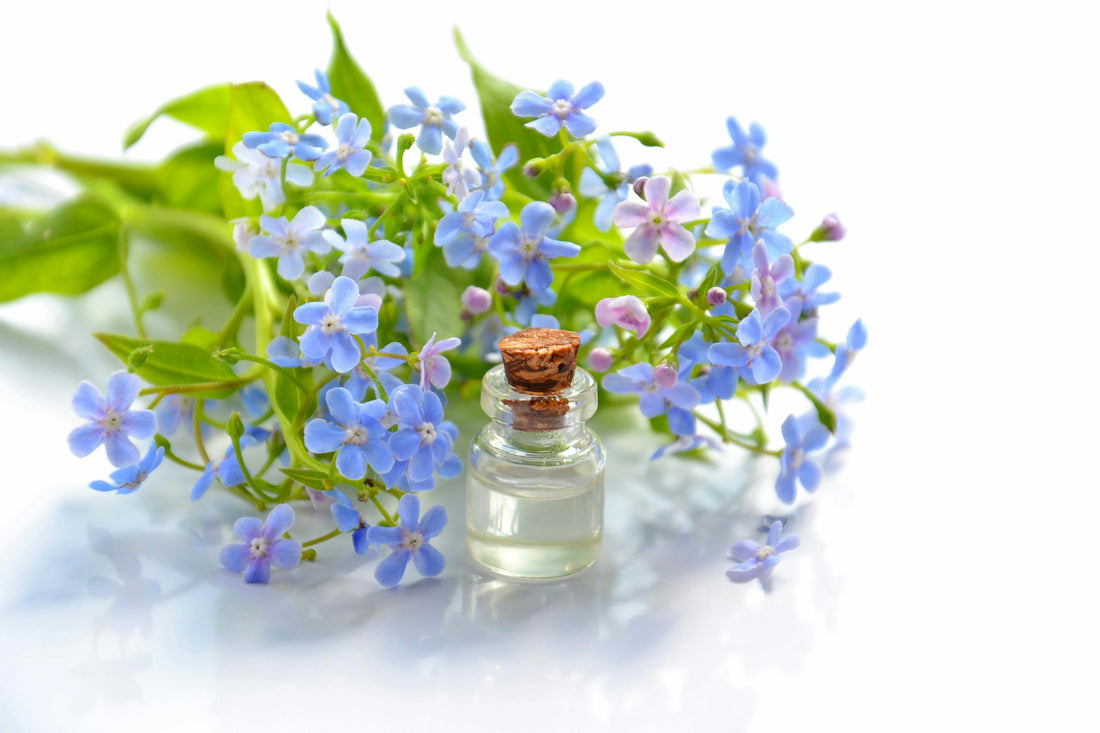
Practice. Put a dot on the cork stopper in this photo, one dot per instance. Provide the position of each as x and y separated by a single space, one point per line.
540 360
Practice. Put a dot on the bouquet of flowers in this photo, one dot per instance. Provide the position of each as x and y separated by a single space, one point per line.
374 256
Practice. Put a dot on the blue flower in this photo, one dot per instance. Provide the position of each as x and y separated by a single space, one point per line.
794 464
255 174
528 302
173 411
284 351
593 186
325 106
813 277
458 178
227 468
472 222
129 479
562 108
524 250
352 136
263 546
111 422
795 342
492 171
756 561
686 443
375 367
288 240
660 392
410 539
332 323
434 120
355 432
745 152
423 438
282 140
398 477
854 342
361 256
747 220
350 519
714 382
755 357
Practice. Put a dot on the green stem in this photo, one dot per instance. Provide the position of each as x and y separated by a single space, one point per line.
248 474
201 386
729 437
243 308
322 538
127 280
196 427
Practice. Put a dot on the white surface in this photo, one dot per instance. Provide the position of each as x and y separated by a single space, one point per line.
940 585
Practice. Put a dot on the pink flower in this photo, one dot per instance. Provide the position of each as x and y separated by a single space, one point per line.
434 367
765 278
600 359
626 311
659 221
476 300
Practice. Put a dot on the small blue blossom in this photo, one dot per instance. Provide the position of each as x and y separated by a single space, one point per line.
492 171
333 323
410 539
227 468
434 119
325 106
398 477
796 342
354 432
423 438
173 411
458 177
263 546
562 108
350 519
593 185
361 255
129 479
255 174
287 240
713 382
795 466
746 220
349 152
757 360
284 351
684 443
375 367
756 561
846 353
745 152
658 394
282 140
111 422
524 250
528 302
460 231
813 277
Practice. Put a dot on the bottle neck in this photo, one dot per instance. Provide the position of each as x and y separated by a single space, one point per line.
560 440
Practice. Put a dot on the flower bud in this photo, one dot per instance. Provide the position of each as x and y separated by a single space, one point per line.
600 359
476 300
626 311
405 140
533 167
309 554
716 296
639 186
829 230
563 202
138 357
502 287
235 426
665 375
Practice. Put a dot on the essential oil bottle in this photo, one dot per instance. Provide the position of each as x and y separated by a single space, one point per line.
534 486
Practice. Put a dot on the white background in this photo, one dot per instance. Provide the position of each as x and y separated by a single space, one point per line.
944 581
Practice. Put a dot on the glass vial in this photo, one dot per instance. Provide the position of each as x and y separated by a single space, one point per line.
535 477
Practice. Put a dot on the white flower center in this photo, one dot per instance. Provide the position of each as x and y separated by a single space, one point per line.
767 286
427 432
111 422
412 541
259 547
356 435
469 218
763 553
562 108
433 116
288 137
344 151
330 101
783 342
797 456
755 350
331 324
750 152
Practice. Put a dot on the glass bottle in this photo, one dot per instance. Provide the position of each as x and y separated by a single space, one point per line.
535 477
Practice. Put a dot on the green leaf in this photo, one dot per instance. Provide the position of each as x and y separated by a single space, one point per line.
825 414
432 300
503 127
350 83
68 250
189 180
207 109
649 283
170 363
252 106
312 479
583 231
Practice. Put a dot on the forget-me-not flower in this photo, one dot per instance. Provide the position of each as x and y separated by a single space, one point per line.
434 119
756 561
756 359
714 382
255 174
746 220
227 468
354 432
410 539
111 422
593 185
361 255
263 546
766 278
492 171
528 302
745 152
684 443
795 465
434 367
349 519
325 106
459 231
813 277
524 250
795 342
349 152
129 479
287 240
561 108
423 439
333 323
458 176
658 394
658 221
173 411
363 376
282 140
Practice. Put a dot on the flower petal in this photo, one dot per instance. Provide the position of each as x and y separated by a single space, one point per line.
88 403
278 521
285 554
429 561
390 571
235 557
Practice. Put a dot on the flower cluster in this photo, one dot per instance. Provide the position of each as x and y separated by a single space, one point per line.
374 271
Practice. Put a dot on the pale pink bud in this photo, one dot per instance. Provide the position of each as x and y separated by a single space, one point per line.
829 230
476 300
626 311
563 202
600 359
665 375
716 296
